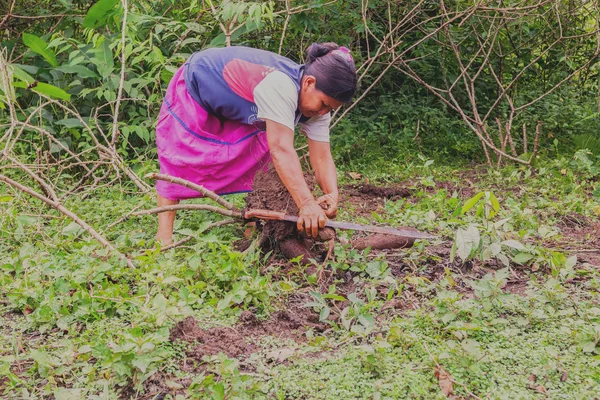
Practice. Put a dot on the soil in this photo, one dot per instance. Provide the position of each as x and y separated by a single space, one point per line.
235 341
269 193
392 193
583 237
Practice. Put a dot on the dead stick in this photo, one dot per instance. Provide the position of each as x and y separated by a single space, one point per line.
536 143
524 139
69 214
502 141
206 207
190 185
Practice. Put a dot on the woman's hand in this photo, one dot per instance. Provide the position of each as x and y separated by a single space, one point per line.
311 218
329 203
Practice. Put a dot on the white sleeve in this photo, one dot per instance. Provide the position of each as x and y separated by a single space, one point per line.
276 98
317 128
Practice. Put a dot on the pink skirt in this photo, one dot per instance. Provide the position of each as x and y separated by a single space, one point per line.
198 147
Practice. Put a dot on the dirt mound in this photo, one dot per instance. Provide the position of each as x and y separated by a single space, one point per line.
234 342
385 192
269 193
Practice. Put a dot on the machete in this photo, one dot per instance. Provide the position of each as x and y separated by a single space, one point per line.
280 216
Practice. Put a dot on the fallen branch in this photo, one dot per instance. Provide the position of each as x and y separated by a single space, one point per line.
69 214
190 185
206 207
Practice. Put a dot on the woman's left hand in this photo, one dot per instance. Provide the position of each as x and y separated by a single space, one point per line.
329 203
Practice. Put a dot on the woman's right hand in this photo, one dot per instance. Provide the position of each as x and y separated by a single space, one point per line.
311 218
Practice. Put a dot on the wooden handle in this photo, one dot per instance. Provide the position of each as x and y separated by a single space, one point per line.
265 214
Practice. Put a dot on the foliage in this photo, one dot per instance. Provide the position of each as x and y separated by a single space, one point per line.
496 298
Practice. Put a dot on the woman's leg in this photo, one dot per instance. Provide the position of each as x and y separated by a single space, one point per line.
165 221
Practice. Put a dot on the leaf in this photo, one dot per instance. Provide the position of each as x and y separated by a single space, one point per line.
42 358
445 381
72 229
97 12
522 258
39 46
471 202
324 314
104 59
51 91
282 354
70 123
466 241
160 302
366 320
503 259
494 202
79 70
68 394
514 244
5 199
355 175
142 362
22 75
571 262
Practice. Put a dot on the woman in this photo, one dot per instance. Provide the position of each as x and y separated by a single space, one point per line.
228 112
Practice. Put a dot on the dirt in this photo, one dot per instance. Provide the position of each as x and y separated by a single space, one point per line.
392 193
269 193
580 236
234 341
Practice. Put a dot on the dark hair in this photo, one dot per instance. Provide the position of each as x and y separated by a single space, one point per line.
334 69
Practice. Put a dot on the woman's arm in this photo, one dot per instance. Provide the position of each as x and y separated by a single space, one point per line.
281 146
322 162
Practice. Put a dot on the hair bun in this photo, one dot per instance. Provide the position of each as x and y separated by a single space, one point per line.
317 50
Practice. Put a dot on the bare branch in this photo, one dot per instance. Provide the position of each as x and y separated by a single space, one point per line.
190 185
115 129
69 214
206 207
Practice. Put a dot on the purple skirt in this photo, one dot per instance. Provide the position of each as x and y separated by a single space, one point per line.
198 147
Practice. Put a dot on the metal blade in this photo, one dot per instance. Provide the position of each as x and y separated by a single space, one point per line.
409 233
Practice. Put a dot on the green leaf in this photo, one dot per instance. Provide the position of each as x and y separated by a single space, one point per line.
79 70
42 358
142 362
68 394
72 229
471 202
366 320
37 45
52 91
97 12
522 258
70 123
466 241
104 60
494 201
20 74
5 199
324 314
514 244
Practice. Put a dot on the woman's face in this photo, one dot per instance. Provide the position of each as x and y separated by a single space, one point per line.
312 101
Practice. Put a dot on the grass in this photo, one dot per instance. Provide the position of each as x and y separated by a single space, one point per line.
505 300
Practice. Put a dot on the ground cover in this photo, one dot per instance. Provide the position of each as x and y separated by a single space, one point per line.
502 304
